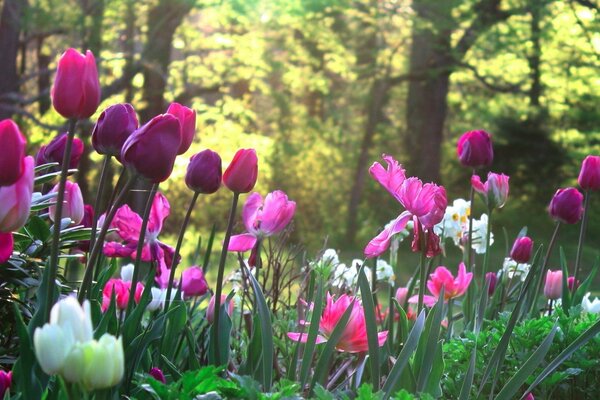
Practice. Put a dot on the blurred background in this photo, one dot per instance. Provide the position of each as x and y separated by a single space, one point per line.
321 88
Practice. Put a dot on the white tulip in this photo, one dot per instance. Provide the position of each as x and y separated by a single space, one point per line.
593 307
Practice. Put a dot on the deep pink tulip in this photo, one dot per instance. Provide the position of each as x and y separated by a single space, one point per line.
566 206
187 121
553 285
73 206
521 250
475 149
12 153
15 200
5 382
193 283
151 150
6 246
241 174
55 150
157 374
114 126
442 278
122 290
494 191
263 219
589 176
571 283
210 311
391 178
204 172
76 89
354 336
492 278
529 397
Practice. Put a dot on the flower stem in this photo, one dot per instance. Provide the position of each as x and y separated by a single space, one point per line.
423 272
581 238
140 247
545 262
219 290
470 235
103 176
450 320
486 256
175 262
54 249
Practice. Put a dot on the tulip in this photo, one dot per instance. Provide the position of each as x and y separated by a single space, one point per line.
475 149
73 318
6 246
442 278
401 295
5 382
73 207
566 206
112 129
263 219
204 172
571 284
592 307
210 311
76 90
589 176
52 346
151 150
521 250
104 362
240 176
187 121
13 152
494 192
54 151
157 374
121 290
193 282
553 285
529 397
492 278
15 200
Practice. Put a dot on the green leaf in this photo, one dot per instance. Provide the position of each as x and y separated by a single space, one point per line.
313 330
428 343
566 293
371 323
583 288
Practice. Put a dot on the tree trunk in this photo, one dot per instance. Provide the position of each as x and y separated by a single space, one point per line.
534 59
10 29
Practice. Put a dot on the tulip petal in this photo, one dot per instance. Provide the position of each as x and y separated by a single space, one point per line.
251 211
380 243
241 243
6 246
392 178
303 337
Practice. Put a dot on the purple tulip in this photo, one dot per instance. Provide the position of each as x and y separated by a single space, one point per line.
13 152
204 172
5 382
521 250
475 150
589 176
55 150
112 129
157 374
566 206
193 282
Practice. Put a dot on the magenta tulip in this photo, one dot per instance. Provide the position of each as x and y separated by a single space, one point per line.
73 207
157 374
475 149
122 291
193 283
571 284
401 295
553 285
151 150
55 150
210 311
187 122
204 172
5 382
241 174
494 191
12 152
76 90
521 250
589 176
15 200
6 246
112 129
566 206
492 279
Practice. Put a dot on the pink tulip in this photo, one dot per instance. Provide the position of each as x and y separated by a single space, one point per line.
193 282
442 278
354 336
263 219
529 397
73 206
571 283
187 121
474 149
401 295
391 178
241 174
553 285
76 89
204 172
5 382
12 152
566 206
121 290
521 250
494 191
210 311
151 150
157 374
15 200
114 126
589 176
55 150
6 246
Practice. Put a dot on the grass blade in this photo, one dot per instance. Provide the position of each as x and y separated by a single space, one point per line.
313 330
371 323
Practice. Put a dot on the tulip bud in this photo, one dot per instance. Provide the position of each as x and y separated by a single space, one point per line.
6 247
104 362
193 282
240 176
15 200
571 284
73 318
475 149
492 279
187 121
157 374
210 311
122 291
589 176
553 285
13 152
566 206
401 294
5 382
55 150
75 363
52 346
112 129
204 172
151 150
495 190
521 250
73 207
76 90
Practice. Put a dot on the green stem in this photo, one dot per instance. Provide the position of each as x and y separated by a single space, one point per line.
174 263
423 272
545 262
103 176
219 290
450 320
470 235
54 249
581 238
486 256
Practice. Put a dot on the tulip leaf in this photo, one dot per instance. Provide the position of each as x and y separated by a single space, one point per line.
27 372
313 330
225 326
209 247
583 288
174 326
371 323
133 321
566 293
428 343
